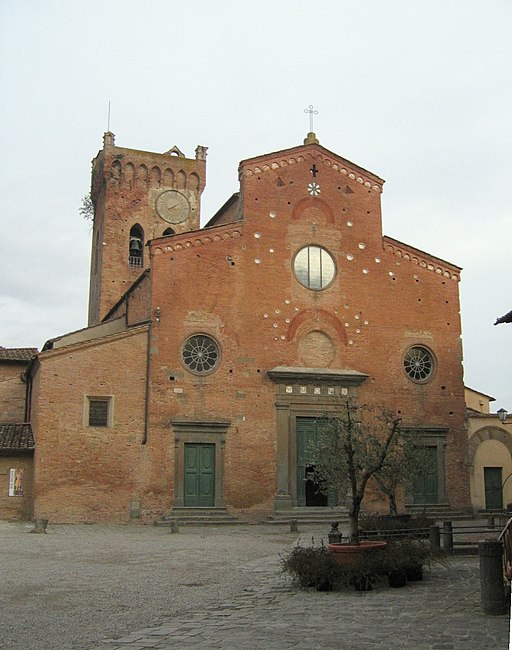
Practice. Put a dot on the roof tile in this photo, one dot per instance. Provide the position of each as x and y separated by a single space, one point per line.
17 354
16 436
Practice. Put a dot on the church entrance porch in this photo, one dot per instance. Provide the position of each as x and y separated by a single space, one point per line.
303 397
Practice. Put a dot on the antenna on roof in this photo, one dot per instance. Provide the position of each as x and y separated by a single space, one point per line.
108 118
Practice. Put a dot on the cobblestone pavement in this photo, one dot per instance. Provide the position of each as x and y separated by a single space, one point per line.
132 587
442 612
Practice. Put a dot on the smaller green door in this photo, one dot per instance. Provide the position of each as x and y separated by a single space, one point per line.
426 485
493 488
199 475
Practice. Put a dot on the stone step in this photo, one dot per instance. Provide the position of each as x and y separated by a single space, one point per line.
439 512
198 517
311 515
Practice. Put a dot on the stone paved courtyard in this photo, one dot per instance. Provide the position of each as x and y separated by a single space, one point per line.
133 587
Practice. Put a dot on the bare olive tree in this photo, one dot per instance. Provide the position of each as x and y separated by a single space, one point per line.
351 448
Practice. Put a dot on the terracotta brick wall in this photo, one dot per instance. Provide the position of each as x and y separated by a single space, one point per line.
14 508
125 186
12 392
236 284
88 473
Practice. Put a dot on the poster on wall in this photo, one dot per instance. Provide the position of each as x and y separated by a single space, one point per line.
15 482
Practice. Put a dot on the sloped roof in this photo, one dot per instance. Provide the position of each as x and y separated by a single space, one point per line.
504 319
15 437
17 354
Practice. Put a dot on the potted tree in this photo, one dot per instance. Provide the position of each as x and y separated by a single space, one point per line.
350 449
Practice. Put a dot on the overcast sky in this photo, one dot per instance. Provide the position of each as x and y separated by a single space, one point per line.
418 92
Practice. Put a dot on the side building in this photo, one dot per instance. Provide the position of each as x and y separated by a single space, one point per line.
16 439
489 454
212 353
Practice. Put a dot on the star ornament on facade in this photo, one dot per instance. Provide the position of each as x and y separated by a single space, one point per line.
314 189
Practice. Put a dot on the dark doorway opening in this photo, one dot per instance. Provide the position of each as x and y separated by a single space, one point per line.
314 495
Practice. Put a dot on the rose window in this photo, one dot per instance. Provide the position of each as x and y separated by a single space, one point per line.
200 354
418 364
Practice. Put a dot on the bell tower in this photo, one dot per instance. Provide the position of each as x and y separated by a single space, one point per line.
137 196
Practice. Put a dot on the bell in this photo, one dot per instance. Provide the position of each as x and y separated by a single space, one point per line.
135 245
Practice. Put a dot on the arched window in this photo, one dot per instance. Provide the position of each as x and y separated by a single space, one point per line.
168 231
136 248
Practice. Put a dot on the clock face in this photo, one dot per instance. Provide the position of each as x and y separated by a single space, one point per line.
173 206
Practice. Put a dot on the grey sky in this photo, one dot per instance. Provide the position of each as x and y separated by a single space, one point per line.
417 92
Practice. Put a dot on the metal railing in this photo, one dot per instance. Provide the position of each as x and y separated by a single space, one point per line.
450 539
466 538
506 538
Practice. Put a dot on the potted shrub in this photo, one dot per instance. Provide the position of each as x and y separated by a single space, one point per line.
405 560
315 567
312 566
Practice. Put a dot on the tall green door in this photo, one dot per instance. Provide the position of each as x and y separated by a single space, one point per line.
493 488
308 493
199 475
426 485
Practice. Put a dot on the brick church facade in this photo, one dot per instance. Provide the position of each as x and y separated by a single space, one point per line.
211 352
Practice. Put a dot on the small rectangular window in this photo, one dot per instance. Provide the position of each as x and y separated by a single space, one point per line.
99 412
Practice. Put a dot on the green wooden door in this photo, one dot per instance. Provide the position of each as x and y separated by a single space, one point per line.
199 475
308 493
493 490
426 485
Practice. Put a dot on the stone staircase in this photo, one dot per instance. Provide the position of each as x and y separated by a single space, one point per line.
198 517
439 512
310 515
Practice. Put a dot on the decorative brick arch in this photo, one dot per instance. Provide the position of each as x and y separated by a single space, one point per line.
488 433
313 202
317 316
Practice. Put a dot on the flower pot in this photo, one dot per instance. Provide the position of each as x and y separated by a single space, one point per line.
397 579
353 553
414 572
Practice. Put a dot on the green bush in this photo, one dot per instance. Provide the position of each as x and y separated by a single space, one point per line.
315 567
407 554
312 566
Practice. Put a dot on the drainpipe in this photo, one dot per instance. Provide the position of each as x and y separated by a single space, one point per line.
26 378
146 404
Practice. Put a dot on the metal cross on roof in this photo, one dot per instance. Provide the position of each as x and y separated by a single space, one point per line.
311 112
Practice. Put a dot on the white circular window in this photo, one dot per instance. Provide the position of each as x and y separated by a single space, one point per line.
200 354
314 267
419 364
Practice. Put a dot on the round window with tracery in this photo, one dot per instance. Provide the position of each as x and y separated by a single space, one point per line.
419 364
200 354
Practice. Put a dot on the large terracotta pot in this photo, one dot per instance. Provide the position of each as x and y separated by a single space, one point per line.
352 553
